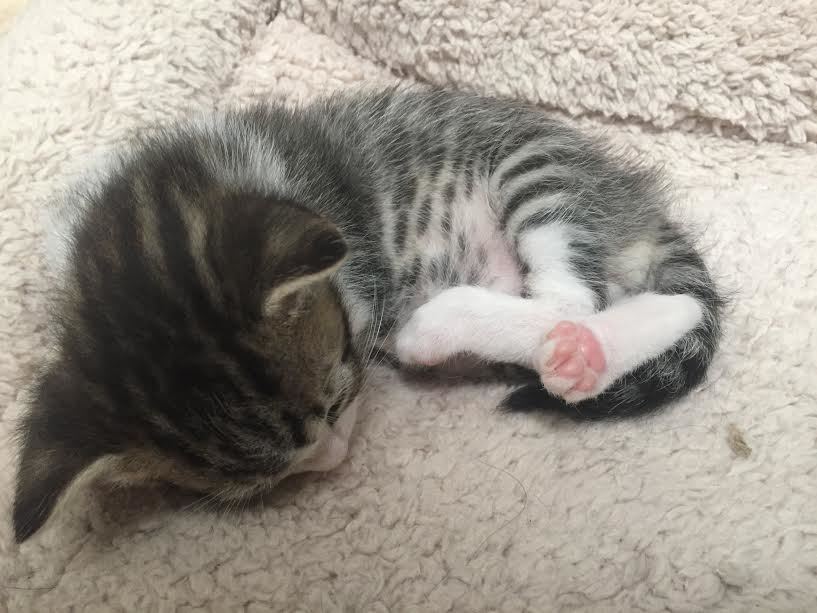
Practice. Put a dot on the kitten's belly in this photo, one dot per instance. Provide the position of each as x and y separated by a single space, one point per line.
501 272
462 244
472 251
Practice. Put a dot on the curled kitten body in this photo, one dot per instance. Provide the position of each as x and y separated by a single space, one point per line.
225 283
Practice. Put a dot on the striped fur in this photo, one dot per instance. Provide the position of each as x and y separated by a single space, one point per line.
226 280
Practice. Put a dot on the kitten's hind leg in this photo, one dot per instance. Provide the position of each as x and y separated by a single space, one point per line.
563 267
584 354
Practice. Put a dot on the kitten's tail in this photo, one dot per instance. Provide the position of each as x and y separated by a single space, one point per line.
662 379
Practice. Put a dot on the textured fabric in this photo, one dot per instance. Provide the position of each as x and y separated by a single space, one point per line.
745 67
8 10
443 503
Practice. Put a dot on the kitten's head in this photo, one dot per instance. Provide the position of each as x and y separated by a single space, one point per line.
199 342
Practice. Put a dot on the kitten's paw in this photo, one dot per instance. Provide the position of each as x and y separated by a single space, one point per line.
434 332
423 342
570 362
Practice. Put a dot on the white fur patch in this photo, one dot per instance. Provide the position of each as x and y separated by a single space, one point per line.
546 249
640 328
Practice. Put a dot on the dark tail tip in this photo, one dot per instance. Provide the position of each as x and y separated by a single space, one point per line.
533 398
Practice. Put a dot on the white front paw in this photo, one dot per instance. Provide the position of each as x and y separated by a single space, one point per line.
422 343
435 331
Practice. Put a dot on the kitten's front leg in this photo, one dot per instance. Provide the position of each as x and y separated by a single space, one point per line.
491 325
437 330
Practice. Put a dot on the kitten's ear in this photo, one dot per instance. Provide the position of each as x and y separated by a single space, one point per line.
52 456
304 248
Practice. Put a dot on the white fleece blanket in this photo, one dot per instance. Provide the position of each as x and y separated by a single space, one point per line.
744 67
444 505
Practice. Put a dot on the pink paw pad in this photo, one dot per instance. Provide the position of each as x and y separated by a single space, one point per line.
571 361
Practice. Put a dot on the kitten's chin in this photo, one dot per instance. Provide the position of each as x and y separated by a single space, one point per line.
330 452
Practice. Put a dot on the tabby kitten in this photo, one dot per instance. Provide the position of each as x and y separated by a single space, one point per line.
227 281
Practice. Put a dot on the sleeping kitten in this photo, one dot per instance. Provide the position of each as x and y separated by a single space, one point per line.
226 283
